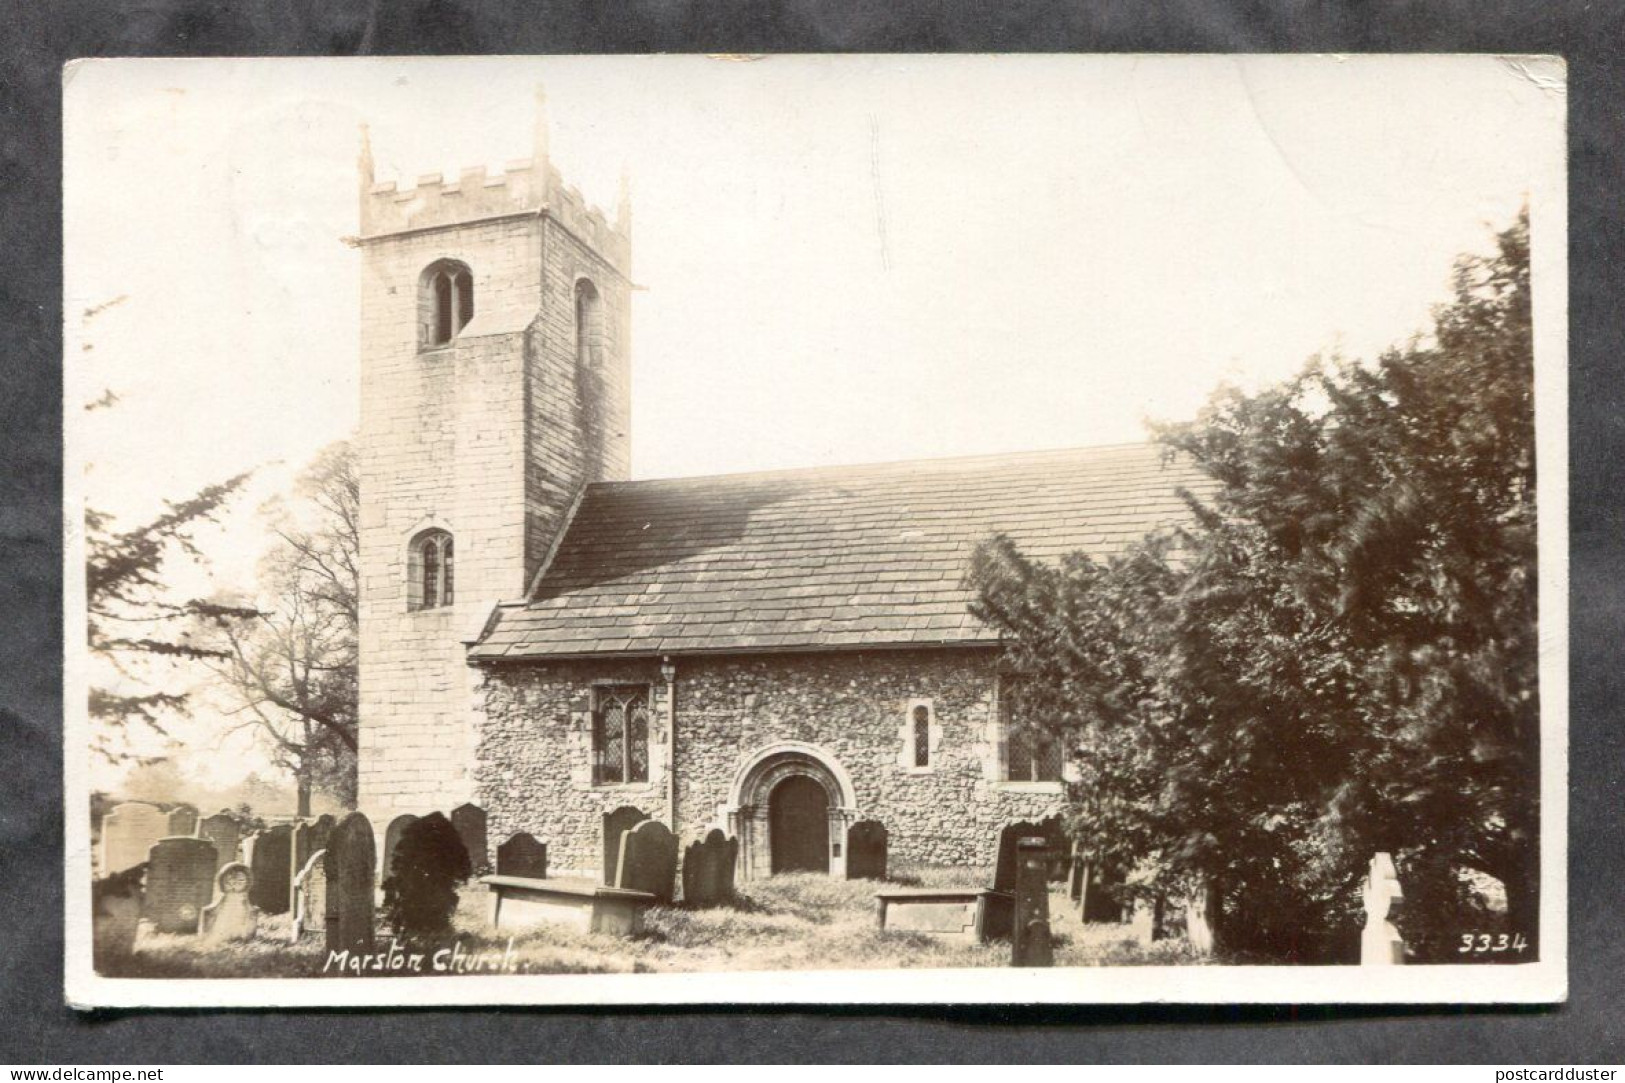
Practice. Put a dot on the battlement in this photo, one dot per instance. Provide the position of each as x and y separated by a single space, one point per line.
525 187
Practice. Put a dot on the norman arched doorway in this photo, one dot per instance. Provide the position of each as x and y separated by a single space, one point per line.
790 806
798 825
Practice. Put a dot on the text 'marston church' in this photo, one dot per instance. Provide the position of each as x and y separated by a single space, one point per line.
778 654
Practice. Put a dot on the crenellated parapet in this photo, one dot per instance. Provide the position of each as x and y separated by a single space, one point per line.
476 194
526 187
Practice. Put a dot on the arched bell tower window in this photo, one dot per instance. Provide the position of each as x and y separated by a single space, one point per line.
430 583
445 302
589 325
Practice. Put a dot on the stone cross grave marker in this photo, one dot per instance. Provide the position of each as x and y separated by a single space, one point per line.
392 838
1030 939
180 882
1004 869
866 850
220 829
182 821
522 855
708 870
230 917
310 896
469 821
128 833
350 863
616 824
272 859
648 860
1380 942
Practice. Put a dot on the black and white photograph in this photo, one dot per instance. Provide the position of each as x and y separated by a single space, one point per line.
816 529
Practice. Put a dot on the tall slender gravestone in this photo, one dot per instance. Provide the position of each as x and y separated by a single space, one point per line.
866 851
648 860
392 838
708 870
1030 939
272 861
469 821
350 864
310 896
1380 942
182 821
128 833
180 881
522 855
319 830
221 829
616 824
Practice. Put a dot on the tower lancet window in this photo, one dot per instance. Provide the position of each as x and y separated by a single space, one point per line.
445 302
589 325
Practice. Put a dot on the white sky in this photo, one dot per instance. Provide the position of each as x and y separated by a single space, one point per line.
845 259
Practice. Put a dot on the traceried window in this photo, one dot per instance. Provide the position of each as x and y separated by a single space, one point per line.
1031 754
920 727
620 734
445 302
432 571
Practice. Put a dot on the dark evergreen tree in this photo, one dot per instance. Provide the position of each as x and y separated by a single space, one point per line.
1338 656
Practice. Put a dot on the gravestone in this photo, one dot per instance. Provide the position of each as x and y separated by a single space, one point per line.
648 860
272 857
616 824
1004 869
115 909
230 916
182 821
522 855
708 870
1200 907
310 896
180 882
319 830
349 863
392 838
128 833
1380 942
469 820
1030 938
221 829
866 851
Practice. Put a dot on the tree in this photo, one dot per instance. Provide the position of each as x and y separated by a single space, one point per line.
291 662
1337 656
133 621
420 892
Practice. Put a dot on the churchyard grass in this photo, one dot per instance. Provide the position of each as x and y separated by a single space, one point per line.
787 922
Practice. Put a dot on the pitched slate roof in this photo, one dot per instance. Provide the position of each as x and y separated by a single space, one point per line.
822 558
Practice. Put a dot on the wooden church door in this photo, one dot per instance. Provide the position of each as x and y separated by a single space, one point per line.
798 826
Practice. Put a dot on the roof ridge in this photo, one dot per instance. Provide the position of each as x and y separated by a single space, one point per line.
1011 457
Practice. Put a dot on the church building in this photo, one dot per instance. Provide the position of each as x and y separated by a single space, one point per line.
777 654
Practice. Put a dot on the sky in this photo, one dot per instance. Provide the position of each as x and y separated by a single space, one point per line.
839 259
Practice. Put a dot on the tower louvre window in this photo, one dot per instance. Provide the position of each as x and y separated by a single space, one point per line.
588 325
445 302
431 568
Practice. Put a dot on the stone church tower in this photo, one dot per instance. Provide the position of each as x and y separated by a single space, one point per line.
495 343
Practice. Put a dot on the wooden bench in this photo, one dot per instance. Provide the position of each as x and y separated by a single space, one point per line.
581 904
971 914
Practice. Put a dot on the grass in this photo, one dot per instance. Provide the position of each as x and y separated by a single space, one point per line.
787 922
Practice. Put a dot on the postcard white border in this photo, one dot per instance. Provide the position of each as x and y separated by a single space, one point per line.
1545 981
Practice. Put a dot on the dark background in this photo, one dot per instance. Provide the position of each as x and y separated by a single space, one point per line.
40 35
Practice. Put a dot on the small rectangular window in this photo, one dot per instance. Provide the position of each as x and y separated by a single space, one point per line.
1031 754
